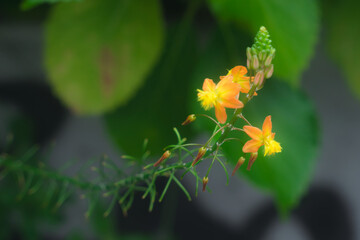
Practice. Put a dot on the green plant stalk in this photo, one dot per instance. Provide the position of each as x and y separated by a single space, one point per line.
16 166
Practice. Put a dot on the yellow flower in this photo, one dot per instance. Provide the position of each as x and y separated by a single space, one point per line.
221 96
261 137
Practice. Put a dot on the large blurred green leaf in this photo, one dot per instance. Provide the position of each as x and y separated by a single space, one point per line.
343 35
160 104
287 174
98 53
293 26
28 4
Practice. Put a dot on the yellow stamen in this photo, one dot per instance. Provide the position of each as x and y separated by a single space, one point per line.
271 146
208 98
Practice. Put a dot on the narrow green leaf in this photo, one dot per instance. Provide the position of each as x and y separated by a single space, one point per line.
166 187
182 188
225 170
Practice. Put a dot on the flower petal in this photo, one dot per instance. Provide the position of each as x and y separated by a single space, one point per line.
253 132
232 103
251 146
267 126
220 113
238 70
228 89
225 80
209 85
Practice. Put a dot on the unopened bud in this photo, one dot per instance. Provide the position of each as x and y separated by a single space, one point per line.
268 60
262 56
189 119
248 53
253 157
259 78
255 62
238 165
163 157
200 154
205 181
272 52
248 64
269 71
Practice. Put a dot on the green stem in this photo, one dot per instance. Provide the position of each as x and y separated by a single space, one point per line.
245 99
17 166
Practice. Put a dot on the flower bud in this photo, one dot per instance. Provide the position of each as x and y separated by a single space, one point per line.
255 62
163 157
253 157
248 53
200 154
262 56
205 181
248 64
269 71
189 119
272 52
259 78
238 165
268 60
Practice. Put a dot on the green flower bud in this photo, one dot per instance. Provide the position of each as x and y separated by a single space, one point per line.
262 45
268 61
248 53
269 71
255 62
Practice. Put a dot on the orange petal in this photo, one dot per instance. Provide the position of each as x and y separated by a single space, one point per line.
228 89
253 132
245 86
224 81
251 146
232 103
220 113
267 126
208 85
239 70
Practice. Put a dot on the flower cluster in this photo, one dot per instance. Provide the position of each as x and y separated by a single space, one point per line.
234 91
244 80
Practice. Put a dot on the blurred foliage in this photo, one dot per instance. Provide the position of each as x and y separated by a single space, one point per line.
28 4
286 175
96 54
342 35
293 26
159 105
22 211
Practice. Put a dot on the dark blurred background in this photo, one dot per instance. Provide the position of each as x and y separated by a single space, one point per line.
31 114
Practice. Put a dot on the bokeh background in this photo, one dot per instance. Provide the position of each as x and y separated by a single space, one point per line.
86 78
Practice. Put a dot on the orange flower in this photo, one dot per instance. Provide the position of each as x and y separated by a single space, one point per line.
221 96
238 73
261 137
